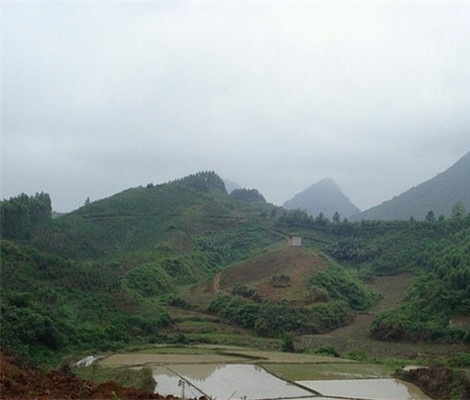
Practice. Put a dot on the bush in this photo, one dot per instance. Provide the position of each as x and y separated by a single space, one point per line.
287 345
148 281
324 317
340 285
280 281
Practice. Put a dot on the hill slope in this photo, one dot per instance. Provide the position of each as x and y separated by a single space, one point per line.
167 220
438 194
323 197
279 274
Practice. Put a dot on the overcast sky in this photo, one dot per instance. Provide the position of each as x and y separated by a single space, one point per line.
102 96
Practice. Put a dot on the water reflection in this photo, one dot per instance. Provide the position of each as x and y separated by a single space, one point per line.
168 383
247 381
234 381
197 373
373 389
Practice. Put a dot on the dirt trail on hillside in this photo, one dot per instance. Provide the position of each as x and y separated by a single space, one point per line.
216 282
355 337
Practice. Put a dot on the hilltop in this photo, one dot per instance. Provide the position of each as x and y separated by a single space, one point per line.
324 197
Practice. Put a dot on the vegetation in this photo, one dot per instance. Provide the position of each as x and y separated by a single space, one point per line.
21 214
51 305
140 378
105 275
441 292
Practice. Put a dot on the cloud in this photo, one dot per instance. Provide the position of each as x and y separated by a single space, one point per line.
101 96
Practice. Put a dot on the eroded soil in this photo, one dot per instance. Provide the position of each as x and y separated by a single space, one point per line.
19 381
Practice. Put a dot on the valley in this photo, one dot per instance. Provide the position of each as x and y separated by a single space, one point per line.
185 273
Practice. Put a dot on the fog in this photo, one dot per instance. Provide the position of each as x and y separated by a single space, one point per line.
98 97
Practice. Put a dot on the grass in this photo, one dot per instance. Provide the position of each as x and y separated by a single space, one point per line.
300 372
140 378
175 350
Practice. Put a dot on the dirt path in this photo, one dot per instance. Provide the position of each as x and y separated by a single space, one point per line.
355 337
216 282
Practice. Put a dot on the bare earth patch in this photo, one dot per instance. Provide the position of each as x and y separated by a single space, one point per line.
298 264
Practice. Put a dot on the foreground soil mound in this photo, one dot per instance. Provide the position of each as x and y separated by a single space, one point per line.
439 382
20 381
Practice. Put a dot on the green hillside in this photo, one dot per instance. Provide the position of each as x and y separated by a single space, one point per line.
111 273
50 304
438 195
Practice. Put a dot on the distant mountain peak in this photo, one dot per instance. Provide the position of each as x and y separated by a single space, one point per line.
438 194
325 197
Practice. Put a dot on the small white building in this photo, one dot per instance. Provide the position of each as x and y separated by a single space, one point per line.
296 241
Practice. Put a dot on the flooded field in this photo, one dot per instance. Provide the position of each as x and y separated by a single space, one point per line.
238 381
236 373
368 389
245 381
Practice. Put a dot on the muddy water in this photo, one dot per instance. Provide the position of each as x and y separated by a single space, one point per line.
229 381
247 381
384 389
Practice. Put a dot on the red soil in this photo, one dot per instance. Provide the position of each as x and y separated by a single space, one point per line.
18 381
297 263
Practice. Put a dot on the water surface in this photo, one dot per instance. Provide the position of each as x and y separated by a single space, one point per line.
229 381
368 389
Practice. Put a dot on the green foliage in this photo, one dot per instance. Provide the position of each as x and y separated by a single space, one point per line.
21 214
326 350
324 317
147 281
296 218
100 277
460 361
340 285
280 280
267 319
287 344
318 293
274 319
176 301
28 327
353 250
247 195
140 378
245 291
203 182
50 305
458 210
439 294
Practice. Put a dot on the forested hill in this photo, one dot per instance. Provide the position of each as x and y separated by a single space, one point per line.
166 218
110 273
439 195
322 197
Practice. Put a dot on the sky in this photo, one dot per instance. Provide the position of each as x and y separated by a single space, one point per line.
101 96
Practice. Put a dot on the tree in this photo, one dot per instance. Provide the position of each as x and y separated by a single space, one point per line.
430 217
336 218
20 214
458 210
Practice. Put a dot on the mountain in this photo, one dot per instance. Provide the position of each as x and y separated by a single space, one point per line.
231 185
438 195
154 264
323 197
167 221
